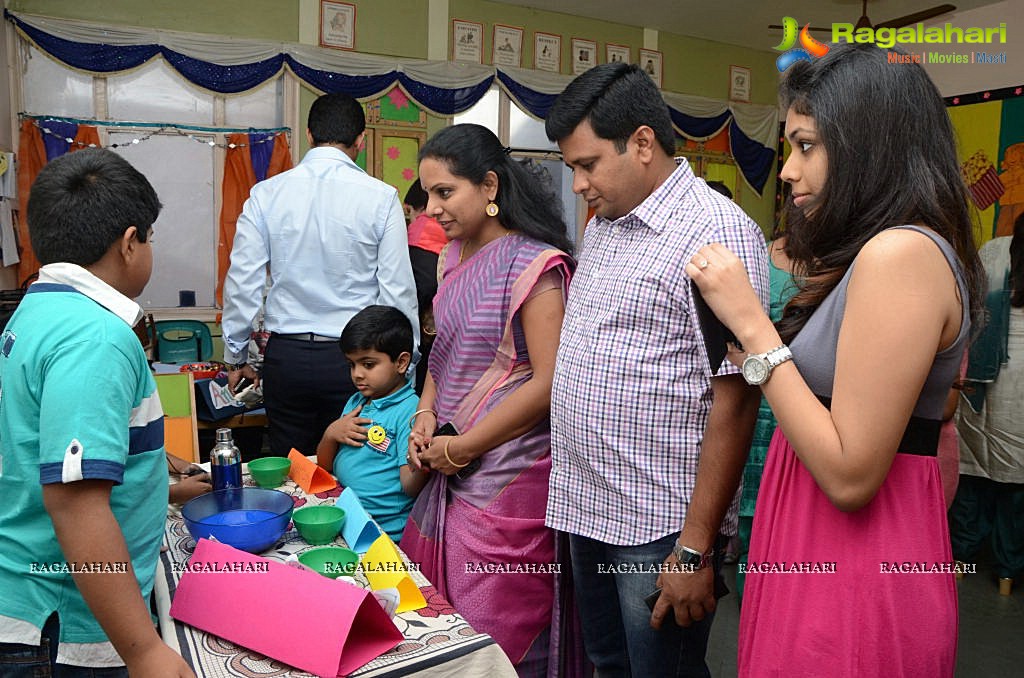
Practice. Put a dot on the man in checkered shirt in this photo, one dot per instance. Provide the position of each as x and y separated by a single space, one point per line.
648 441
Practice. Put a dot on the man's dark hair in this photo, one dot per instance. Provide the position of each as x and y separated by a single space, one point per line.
378 328
416 197
720 188
615 99
82 203
336 119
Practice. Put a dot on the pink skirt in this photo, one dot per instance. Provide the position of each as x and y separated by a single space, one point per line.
860 594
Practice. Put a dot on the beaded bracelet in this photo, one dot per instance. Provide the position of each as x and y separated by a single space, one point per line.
450 461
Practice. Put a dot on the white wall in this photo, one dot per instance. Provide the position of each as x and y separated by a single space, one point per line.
953 79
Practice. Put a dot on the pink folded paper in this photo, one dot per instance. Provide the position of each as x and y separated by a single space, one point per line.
334 629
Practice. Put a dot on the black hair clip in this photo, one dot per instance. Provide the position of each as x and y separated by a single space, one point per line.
507 150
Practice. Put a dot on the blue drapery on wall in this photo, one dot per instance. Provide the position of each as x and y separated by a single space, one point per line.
754 160
699 128
56 143
223 79
444 89
359 86
447 101
536 103
98 58
259 153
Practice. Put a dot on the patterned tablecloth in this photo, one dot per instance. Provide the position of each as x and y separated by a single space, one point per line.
438 641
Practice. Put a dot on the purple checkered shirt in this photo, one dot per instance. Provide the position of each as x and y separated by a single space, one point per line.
632 391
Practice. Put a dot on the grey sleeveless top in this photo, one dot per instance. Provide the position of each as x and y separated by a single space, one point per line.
814 348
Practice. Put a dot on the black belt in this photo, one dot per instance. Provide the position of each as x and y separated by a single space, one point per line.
305 336
921 437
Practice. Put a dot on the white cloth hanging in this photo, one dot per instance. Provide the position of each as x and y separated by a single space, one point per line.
8 182
8 241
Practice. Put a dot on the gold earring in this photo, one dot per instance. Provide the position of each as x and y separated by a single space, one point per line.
491 209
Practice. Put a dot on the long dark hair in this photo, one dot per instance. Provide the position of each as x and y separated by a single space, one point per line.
891 161
1017 264
526 200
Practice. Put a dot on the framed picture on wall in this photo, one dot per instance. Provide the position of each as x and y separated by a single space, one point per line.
337 24
584 55
547 52
650 61
467 41
739 84
508 46
614 54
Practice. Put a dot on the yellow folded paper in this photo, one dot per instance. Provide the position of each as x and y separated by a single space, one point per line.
385 569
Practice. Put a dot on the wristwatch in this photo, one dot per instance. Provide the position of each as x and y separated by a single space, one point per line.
692 559
757 368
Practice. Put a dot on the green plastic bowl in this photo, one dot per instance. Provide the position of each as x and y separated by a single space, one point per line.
331 561
269 471
319 524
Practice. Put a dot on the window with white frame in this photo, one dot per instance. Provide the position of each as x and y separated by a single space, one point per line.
184 167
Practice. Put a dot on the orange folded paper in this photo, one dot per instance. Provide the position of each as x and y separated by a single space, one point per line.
307 475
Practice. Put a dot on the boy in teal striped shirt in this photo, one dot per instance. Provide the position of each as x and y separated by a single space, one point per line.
83 478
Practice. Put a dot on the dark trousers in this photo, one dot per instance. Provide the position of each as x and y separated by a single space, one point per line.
305 386
983 507
40 661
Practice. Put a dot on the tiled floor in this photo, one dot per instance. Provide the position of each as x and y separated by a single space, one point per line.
991 628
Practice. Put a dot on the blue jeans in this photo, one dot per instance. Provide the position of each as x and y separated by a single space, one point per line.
617 633
40 661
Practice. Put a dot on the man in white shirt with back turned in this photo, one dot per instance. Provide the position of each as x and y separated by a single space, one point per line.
334 241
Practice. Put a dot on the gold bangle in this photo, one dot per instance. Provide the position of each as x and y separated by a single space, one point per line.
412 419
446 444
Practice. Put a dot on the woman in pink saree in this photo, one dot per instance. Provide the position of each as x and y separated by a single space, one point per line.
477 529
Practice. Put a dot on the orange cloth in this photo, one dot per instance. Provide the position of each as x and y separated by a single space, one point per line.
31 159
427 234
716 144
239 178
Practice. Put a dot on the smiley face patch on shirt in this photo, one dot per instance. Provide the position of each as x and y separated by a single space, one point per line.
377 438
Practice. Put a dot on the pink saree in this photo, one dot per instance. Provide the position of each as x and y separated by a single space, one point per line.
494 519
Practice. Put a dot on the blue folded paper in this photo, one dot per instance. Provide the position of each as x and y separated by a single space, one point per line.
359 529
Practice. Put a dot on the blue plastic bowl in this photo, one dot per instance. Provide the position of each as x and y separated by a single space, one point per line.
249 518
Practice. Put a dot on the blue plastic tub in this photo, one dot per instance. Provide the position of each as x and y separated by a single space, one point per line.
248 518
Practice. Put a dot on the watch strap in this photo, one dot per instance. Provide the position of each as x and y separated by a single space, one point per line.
691 558
777 356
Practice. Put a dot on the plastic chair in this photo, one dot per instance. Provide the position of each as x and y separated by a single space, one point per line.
183 341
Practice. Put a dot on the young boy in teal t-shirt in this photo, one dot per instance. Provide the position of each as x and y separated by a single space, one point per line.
366 448
83 475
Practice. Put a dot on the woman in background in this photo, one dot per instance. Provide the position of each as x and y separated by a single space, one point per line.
498 312
426 240
781 289
990 499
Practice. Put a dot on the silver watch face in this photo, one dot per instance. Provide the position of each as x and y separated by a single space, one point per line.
755 370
